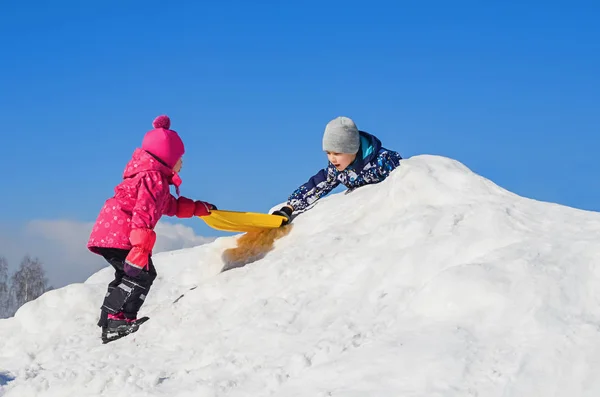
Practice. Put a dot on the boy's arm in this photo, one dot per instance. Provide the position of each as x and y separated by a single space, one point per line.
386 162
317 186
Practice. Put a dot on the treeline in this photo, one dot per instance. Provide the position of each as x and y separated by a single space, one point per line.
27 283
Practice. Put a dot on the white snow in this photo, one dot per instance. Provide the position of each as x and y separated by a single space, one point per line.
436 282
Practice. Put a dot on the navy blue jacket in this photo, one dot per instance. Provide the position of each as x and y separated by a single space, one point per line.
373 164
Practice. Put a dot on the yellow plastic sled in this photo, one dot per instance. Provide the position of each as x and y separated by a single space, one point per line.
235 221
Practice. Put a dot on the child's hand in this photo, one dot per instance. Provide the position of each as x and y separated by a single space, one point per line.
143 241
185 207
203 208
285 211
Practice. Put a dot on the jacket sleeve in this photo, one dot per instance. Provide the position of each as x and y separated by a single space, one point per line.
151 196
171 205
385 163
317 186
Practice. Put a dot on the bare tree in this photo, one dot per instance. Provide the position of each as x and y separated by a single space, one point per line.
5 301
29 282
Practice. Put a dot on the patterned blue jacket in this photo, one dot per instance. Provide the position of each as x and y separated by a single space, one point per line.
373 164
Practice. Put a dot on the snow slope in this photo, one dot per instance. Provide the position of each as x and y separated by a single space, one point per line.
436 282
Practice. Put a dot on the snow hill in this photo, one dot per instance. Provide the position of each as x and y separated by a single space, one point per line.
436 282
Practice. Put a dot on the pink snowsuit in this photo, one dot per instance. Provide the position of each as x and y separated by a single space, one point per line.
124 230
139 201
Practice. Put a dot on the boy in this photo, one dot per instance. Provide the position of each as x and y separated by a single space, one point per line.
356 158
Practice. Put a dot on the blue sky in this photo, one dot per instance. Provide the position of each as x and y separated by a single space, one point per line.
511 89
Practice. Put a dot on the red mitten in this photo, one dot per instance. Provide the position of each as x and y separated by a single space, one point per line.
203 208
185 207
143 241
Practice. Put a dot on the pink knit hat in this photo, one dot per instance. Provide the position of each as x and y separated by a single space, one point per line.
163 142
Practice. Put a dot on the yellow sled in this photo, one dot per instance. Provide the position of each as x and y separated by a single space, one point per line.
235 221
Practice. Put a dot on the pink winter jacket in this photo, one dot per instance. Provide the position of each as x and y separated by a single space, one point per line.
139 201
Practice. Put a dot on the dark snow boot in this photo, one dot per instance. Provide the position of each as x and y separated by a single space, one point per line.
118 322
119 326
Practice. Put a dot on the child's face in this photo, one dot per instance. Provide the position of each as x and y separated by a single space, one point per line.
341 161
178 165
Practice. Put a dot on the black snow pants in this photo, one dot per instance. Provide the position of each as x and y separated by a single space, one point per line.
125 294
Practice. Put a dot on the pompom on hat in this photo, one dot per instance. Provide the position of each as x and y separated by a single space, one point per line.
163 142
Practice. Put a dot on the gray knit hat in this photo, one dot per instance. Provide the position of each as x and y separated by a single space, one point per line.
341 136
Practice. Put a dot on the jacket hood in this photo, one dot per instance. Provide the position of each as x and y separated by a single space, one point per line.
142 161
369 148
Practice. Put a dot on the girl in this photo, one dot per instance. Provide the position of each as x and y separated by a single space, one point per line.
124 230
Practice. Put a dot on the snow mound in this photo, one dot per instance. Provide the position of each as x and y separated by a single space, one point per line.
435 282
